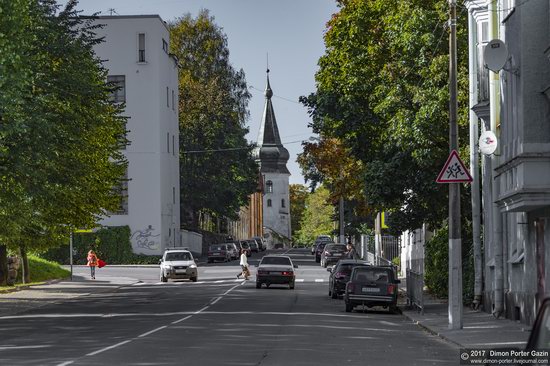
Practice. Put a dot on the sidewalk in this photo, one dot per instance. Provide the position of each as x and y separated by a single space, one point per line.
480 329
41 295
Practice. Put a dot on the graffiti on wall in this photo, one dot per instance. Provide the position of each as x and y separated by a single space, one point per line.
144 239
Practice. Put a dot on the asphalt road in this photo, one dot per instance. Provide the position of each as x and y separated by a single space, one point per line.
216 321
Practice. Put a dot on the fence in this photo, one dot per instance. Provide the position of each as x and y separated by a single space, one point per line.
415 289
389 247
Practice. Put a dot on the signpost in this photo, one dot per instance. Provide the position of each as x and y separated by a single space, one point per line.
454 171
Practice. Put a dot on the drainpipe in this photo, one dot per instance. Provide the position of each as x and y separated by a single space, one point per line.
474 163
494 96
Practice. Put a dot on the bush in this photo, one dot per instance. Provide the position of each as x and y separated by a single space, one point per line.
112 244
396 261
436 274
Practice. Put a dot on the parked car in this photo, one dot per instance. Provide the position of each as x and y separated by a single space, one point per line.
260 242
218 252
540 334
371 286
321 238
253 246
340 275
232 248
319 250
276 269
246 247
332 253
238 246
178 264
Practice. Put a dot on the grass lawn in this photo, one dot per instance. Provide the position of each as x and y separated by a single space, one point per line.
41 271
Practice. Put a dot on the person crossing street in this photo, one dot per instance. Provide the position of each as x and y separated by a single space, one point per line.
244 266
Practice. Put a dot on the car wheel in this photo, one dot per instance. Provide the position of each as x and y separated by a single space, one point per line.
349 308
334 294
291 286
194 279
163 279
258 285
329 292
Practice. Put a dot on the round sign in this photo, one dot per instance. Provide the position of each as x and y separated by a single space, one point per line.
488 143
495 55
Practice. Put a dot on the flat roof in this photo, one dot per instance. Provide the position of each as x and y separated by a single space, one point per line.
143 16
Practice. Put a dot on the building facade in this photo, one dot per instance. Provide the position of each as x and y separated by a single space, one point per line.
136 54
514 103
272 157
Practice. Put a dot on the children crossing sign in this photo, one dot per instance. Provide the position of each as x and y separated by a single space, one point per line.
454 171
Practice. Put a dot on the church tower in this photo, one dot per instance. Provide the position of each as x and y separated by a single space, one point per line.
272 158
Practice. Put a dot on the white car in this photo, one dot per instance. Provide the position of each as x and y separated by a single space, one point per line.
178 264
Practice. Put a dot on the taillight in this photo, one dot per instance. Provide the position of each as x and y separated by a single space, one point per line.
287 273
351 287
391 289
223 252
327 253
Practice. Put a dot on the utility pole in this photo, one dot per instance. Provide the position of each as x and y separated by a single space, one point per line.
341 214
455 240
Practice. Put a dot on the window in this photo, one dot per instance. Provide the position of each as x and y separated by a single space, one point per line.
165 45
507 8
269 203
122 190
283 203
269 186
174 145
167 97
173 101
173 195
168 141
141 47
118 85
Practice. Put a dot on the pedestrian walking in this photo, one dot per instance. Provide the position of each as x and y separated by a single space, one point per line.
244 266
92 263
351 253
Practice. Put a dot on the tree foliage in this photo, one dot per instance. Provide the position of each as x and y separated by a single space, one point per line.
298 196
382 91
60 135
317 217
213 113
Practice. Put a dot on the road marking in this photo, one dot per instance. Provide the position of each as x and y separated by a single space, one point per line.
299 280
108 348
319 280
5 348
182 319
151 331
219 281
66 363
215 300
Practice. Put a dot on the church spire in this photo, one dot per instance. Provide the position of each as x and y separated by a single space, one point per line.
272 155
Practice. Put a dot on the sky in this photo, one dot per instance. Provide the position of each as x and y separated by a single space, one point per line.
289 31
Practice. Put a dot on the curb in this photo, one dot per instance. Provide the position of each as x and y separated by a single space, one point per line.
26 287
431 331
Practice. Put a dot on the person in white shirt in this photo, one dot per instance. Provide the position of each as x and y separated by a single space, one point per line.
244 265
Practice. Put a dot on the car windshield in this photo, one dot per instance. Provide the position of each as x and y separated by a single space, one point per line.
347 268
371 275
335 248
321 246
178 256
244 245
276 260
217 247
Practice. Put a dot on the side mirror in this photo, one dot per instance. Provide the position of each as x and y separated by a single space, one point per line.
295 266
397 281
160 261
329 269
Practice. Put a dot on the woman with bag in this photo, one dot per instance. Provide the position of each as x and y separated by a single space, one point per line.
92 262
244 266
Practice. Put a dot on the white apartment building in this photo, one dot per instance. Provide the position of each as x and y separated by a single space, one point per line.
135 52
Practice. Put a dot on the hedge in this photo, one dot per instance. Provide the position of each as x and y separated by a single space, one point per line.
436 275
112 244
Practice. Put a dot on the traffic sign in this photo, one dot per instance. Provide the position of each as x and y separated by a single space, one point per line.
454 171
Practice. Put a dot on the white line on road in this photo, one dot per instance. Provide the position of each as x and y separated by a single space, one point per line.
215 300
299 280
108 348
4 348
151 331
319 280
181 320
66 363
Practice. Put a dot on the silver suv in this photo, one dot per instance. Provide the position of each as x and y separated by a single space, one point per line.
178 264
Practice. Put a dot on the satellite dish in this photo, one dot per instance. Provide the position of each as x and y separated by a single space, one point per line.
495 55
488 143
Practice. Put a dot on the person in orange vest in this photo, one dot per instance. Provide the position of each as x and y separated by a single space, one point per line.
92 263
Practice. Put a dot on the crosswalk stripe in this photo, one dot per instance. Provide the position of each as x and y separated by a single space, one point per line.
299 280
319 280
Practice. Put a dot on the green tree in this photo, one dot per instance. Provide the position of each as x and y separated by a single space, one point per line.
60 135
382 90
317 217
298 196
217 169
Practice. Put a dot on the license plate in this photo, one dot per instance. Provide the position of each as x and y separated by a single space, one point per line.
181 271
370 289
216 253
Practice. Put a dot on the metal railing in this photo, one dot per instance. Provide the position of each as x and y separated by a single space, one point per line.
415 290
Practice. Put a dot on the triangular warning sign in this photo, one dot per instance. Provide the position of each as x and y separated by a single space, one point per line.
454 171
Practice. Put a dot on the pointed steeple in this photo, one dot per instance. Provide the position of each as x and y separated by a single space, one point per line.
271 153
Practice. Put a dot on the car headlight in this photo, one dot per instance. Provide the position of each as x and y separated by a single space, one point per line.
193 266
